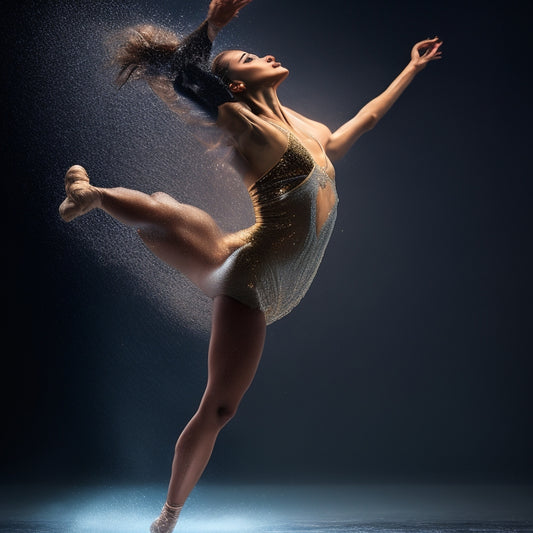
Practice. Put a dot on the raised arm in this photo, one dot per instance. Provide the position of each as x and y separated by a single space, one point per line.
342 139
220 13
190 63
196 47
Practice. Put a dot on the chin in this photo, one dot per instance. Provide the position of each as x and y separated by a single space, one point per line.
282 73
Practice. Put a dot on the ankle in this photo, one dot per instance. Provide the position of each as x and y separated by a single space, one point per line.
172 509
166 521
98 196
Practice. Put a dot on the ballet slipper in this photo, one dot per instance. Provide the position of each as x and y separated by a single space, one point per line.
166 522
81 195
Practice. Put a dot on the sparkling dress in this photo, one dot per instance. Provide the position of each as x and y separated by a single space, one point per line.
275 267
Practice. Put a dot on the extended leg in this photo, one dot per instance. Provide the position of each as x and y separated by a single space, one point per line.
235 348
183 236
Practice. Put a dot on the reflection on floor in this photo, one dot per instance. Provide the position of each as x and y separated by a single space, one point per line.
273 509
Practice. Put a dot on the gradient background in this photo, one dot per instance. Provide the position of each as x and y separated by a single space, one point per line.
410 357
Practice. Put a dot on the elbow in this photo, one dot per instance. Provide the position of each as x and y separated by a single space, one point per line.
367 118
343 139
370 120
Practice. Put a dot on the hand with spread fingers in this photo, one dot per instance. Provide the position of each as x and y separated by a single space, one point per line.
425 51
222 11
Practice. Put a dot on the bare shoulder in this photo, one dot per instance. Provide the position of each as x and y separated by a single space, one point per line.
319 130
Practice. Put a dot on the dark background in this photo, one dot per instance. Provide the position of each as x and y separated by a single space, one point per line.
410 357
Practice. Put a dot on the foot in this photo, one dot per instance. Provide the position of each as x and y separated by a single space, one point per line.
81 195
166 521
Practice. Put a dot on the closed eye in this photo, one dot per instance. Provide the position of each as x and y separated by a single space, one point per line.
248 59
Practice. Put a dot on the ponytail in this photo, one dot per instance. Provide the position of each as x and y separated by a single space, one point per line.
144 52
167 62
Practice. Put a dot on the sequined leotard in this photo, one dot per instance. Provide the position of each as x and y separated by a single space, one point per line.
274 269
281 253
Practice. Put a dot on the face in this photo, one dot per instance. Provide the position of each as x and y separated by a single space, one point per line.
254 71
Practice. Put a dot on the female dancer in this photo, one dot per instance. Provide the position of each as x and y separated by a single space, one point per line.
257 275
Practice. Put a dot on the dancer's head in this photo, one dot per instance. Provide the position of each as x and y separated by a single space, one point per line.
148 52
244 72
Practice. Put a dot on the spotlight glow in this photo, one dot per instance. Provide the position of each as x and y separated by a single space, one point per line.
275 509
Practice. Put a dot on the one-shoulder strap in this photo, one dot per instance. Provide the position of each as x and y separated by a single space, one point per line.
279 126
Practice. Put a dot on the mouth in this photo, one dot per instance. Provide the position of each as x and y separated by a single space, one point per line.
275 64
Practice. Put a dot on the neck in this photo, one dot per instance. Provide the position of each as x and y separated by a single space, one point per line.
265 103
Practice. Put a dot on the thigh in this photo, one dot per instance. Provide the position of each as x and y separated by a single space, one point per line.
235 349
185 237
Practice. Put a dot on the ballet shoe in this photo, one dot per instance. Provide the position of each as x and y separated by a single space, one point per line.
81 195
76 173
166 522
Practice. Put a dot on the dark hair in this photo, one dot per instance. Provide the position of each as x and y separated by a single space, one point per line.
220 68
143 52
148 52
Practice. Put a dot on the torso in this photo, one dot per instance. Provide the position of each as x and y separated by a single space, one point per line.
277 258
309 136
268 142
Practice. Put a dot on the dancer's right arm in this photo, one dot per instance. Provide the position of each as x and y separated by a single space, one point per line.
221 12
196 47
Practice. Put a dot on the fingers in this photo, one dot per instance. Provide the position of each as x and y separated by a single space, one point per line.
221 12
239 4
434 52
233 4
429 48
226 9
428 42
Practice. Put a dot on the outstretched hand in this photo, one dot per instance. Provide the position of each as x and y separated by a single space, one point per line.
222 11
425 51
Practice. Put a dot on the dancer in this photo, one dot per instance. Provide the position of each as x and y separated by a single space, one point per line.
259 274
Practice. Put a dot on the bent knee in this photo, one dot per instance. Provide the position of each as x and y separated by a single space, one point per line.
225 413
218 413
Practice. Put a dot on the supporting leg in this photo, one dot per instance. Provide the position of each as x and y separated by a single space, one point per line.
235 349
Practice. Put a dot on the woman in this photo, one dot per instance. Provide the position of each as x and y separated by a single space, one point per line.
257 275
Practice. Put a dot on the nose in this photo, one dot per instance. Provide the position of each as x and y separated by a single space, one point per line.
270 58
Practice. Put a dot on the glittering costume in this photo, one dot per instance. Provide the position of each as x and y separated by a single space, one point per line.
274 269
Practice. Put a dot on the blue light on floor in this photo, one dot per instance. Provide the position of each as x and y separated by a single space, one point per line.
273 509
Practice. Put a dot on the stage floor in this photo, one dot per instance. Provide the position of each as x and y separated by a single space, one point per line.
273 509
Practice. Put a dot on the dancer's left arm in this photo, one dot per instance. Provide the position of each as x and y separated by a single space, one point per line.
341 140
